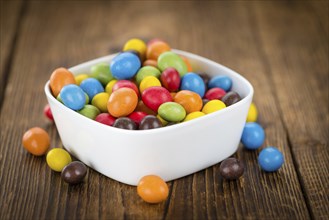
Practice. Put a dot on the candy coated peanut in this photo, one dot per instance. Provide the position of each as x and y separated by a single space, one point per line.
47 112
191 101
136 44
59 78
122 102
171 59
156 49
105 118
36 141
153 63
193 115
102 73
91 86
125 83
212 106
172 112
73 97
147 71
193 82
253 136
223 82
152 189
89 111
79 78
147 82
109 86
270 159
125 123
74 172
153 97
100 101
252 113
125 65
58 158
170 79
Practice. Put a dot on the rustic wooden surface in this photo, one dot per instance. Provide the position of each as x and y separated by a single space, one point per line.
280 46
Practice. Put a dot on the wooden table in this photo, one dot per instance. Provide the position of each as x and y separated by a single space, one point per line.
280 46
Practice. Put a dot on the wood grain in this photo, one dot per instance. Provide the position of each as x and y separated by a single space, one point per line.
11 13
251 38
299 71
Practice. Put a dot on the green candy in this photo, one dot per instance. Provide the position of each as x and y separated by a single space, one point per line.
102 73
89 111
172 111
147 71
170 59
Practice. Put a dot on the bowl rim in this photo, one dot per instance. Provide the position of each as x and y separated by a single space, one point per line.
165 128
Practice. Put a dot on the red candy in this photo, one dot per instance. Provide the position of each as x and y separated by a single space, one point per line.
215 93
126 84
105 118
137 117
170 79
153 97
47 112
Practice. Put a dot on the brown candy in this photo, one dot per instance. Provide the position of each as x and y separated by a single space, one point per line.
74 172
125 123
150 122
231 168
230 98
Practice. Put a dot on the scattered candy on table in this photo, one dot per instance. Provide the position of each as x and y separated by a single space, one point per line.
253 136
58 158
47 112
74 172
152 189
36 141
231 168
270 159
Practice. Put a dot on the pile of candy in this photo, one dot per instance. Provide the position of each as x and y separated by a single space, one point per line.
145 87
133 93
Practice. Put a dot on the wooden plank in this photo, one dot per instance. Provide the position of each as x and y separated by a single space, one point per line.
9 18
298 57
32 191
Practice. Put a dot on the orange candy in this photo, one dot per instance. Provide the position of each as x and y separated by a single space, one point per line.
152 189
60 78
36 141
141 107
155 49
188 64
191 101
122 102
153 63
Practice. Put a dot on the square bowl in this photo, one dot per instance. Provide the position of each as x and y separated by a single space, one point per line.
169 152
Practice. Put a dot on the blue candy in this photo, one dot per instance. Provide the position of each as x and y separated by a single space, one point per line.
223 82
92 87
193 82
73 97
125 65
253 136
270 159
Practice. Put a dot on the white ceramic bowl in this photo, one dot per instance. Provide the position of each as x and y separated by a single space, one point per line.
169 152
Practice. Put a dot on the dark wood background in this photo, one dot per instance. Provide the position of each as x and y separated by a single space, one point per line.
280 46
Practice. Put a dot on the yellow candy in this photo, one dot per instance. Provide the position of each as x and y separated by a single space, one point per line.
136 44
164 122
110 85
252 113
212 106
100 101
58 158
79 78
193 115
148 82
